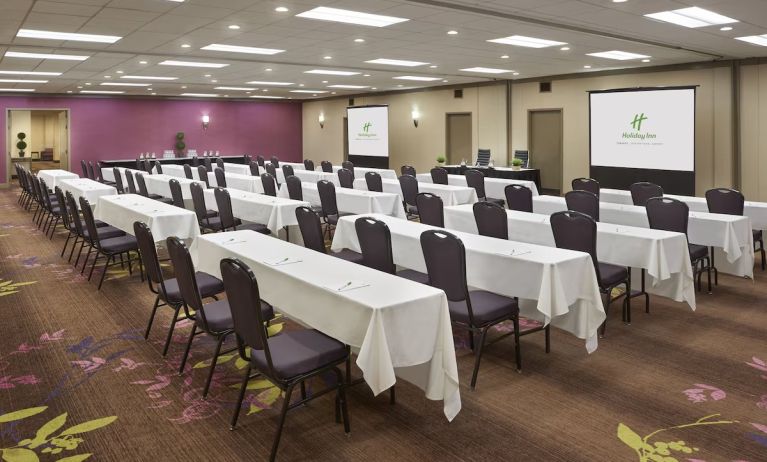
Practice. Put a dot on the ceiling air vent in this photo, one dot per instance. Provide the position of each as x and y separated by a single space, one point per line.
458 93
544 87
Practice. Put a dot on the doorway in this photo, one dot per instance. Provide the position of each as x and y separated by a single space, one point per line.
458 138
545 144
46 136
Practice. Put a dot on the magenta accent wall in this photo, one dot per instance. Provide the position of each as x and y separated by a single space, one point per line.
121 128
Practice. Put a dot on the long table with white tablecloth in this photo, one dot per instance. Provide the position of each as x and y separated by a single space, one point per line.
274 212
450 195
353 200
87 188
163 220
494 187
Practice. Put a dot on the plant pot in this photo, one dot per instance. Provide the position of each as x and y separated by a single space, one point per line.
516 167
21 153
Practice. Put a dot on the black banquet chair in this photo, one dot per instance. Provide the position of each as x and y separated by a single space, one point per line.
491 220
260 160
287 170
129 181
202 172
732 202
584 202
643 191
439 175
409 186
345 178
286 360
269 184
206 218
348 165
228 220
476 179
311 231
407 170
574 230
375 243
309 165
272 170
374 181
254 171
330 212
188 172
519 198
430 209
177 195
326 166
220 163
586 184
220 177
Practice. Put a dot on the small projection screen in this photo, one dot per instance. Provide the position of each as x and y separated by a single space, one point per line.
643 134
368 135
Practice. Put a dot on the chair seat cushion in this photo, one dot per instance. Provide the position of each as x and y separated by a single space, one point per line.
154 196
297 353
105 232
414 276
208 285
213 223
487 307
698 251
118 244
757 235
611 274
411 209
164 200
257 227
211 213
348 255
218 316
100 224
492 200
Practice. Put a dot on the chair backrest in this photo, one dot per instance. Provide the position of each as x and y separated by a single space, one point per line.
260 160
349 165
208 164
643 191
139 164
309 165
374 181
483 157
726 201
584 202
287 170
407 170
295 190
63 209
72 206
183 269
148 166
220 163
141 185
118 181
224 205
491 220
327 192
326 166
346 178
91 173
198 201
476 179
254 171
188 172
311 229
667 214
269 184
272 170
375 244
445 258
129 180
84 166
202 172
519 197
409 186
245 304
90 222
576 231
148 251
176 193
430 209
45 195
220 177
275 161
439 175
586 184
158 166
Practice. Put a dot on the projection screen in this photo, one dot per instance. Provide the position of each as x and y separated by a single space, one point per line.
368 133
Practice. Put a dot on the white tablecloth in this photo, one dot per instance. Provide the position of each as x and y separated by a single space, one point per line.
178 171
450 195
247 182
560 286
353 200
359 172
662 253
163 220
160 184
241 169
494 187
308 176
87 188
401 328
730 233
53 176
107 173
274 212
756 211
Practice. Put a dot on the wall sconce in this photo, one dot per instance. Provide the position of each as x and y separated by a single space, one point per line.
416 115
321 120
205 122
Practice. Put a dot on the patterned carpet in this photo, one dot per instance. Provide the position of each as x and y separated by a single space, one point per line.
78 381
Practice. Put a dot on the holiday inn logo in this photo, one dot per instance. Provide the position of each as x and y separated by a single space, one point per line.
367 131
366 127
636 125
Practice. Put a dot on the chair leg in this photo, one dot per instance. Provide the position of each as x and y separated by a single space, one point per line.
628 299
87 257
607 310
79 253
471 340
303 391
342 401
393 395
547 332
517 345
151 318
238 407
72 250
170 331
104 273
761 251
281 423
188 347
713 267
66 243
708 270
477 358
93 266
213 366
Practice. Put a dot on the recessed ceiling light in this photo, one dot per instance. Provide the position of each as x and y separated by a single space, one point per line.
565 49
124 84
529 42
691 17
400 85
53 74
148 89
620 1
374 88
102 92
268 69
505 57
324 13
234 27
183 87
44 34
87 83
235 88
452 32
645 60
396 62
276 84
147 77
22 81
349 87
366 75
207 75
330 72
142 62
587 66
201 95
119 72
214 81
21 54
266 97
617 55
417 78
69 91
107 76
17 89
433 66
324 81
265 89
281 9
515 73
332 93
760 40
172 62
308 91
300 84
486 70
445 81
327 57
186 45
726 28
359 40
154 93
79 86
241 49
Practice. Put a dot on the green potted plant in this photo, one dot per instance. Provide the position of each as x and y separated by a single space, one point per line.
441 160
180 144
516 164
21 145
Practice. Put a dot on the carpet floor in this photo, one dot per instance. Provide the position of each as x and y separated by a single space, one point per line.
78 381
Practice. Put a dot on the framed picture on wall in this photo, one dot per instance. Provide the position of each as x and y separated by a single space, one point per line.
36 155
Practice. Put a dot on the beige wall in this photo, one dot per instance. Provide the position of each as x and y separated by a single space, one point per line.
407 144
21 121
714 154
753 135
45 132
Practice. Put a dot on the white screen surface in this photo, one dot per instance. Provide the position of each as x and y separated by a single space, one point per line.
368 131
647 129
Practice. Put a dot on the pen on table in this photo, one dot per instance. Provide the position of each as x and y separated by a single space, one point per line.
344 286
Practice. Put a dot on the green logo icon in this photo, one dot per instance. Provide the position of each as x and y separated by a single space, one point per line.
366 127
636 124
